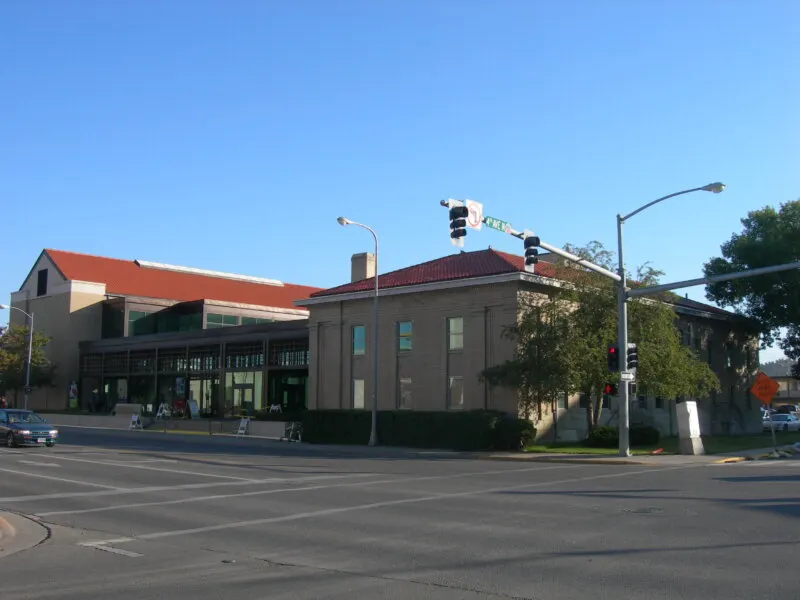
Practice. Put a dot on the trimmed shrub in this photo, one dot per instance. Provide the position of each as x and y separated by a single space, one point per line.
513 434
602 437
468 430
608 437
644 435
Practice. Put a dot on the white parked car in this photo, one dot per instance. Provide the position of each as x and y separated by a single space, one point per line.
781 422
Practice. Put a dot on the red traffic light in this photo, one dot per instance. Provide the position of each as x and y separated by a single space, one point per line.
612 350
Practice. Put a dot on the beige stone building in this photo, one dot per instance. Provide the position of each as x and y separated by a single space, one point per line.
441 323
78 298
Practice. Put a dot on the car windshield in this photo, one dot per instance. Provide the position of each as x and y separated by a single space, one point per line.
24 417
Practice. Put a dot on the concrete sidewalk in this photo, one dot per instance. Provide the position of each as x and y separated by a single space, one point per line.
18 533
654 460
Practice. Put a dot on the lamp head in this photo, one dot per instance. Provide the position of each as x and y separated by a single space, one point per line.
343 221
715 188
3 306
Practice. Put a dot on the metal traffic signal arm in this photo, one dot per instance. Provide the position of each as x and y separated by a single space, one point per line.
532 243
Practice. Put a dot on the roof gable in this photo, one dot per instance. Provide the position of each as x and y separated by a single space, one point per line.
127 278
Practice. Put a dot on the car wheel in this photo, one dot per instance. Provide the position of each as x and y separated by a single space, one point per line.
50 443
10 442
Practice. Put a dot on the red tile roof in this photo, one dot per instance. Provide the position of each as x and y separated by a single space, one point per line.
126 278
464 265
480 263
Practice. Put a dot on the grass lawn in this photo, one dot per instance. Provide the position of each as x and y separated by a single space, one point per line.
714 444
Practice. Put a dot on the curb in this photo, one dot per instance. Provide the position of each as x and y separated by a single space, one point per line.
19 533
6 529
730 459
566 460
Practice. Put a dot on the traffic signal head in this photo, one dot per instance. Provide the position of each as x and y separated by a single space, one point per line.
458 223
610 389
531 243
613 359
632 357
531 251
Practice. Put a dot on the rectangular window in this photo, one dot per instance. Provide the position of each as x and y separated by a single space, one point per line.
455 333
255 320
140 322
41 282
359 340
404 393
214 321
583 400
659 402
358 393
561 400
455 393
404 333
606 401
642 402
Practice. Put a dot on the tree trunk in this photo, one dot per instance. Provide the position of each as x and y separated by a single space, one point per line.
598 408
590 422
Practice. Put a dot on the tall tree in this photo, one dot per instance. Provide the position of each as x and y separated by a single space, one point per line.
14 356
540 364
769 237
581 326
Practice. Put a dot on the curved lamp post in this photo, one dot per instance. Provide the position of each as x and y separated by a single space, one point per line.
622 315
373 436
30 350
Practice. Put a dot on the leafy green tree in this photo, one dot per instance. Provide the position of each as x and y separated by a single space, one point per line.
540 365
14 356
581 322
769 237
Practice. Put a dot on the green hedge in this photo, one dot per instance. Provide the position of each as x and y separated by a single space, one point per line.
608 437
470 430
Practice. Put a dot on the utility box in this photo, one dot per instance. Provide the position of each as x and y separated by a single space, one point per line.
689 438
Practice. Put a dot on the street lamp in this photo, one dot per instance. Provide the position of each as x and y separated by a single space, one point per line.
373 436
30 349
622 316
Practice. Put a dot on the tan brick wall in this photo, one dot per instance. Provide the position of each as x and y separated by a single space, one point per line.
486 310
67 318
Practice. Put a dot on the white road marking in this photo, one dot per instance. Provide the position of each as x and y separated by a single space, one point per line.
264 493
105 548
165 488
63 480
333 511
37 463
146 468
259 492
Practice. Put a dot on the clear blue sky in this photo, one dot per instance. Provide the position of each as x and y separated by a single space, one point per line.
230 134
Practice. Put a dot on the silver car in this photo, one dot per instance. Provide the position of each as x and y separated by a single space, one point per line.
781 422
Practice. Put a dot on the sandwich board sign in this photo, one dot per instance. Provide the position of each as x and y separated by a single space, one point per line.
244 424
136 423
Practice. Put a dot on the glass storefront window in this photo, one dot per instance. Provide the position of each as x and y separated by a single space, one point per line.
142 390
243 393
204 391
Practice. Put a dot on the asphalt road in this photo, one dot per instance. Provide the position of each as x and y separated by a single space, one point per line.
153 516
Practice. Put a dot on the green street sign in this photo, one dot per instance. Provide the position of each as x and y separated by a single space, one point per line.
497 224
